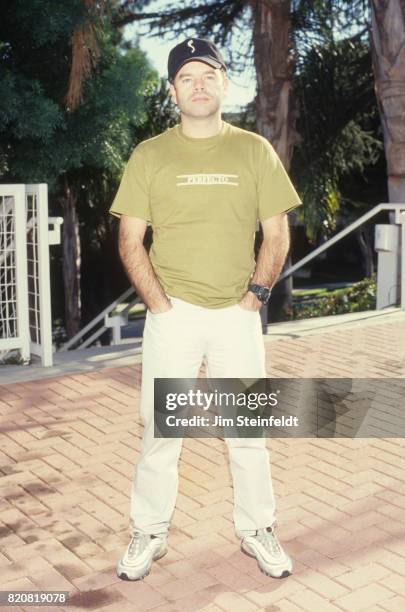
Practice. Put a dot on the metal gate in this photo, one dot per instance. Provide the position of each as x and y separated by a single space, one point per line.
25 302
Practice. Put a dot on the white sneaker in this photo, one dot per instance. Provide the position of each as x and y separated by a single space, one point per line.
142 550
266 548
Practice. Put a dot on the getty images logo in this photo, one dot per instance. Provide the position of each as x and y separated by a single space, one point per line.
190 44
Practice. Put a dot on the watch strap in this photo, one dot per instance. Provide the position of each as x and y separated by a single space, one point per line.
261 292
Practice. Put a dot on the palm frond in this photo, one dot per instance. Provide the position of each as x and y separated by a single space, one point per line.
85 52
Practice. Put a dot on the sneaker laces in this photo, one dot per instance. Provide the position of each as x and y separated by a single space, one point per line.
138 543
267 537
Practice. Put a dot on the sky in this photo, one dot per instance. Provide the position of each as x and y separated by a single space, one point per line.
242 87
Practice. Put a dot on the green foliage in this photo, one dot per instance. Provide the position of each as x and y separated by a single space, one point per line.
357 298
38 23
159 114
316 22
84 149
226 22
337 115
25 110
41 140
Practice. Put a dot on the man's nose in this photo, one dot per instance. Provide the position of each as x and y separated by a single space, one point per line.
199 83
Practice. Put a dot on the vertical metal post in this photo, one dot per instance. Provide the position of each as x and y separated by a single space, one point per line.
387 244
40 305
44 275
21 269
116 331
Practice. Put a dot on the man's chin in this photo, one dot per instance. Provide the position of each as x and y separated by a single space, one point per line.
199 113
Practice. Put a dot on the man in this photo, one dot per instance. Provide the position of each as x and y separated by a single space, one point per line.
202 185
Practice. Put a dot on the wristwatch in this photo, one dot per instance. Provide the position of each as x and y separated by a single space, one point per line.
262 293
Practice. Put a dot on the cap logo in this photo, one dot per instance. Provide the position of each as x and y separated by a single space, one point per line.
191 45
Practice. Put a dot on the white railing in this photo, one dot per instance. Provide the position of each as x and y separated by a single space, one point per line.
121 319
109 322
25 302
399 210
399 219
14 328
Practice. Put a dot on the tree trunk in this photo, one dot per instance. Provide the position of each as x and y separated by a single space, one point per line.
275 114
388 54
71 261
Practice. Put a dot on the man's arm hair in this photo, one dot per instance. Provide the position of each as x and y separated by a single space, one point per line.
271 257
273 251
137 264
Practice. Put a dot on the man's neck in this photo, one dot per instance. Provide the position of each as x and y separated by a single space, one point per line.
201 128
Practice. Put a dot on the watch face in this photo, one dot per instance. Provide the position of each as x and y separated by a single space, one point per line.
264 294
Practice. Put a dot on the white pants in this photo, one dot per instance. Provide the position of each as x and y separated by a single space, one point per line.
174 344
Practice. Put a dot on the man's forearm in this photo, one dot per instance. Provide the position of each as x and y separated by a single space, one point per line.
270 260
142 275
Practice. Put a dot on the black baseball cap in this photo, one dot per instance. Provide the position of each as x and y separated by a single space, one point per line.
193 50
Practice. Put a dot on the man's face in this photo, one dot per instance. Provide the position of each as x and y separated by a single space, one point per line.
198 89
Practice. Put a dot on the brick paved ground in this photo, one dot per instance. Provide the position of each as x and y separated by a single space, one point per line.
68 449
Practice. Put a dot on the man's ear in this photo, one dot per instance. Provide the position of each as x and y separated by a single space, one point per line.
173 93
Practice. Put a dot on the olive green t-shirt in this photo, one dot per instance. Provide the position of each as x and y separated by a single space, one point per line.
203 197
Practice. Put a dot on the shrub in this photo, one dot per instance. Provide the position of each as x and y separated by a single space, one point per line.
357 298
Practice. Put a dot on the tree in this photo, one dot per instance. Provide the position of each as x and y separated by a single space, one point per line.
388 52
338 120
42 139
334 94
